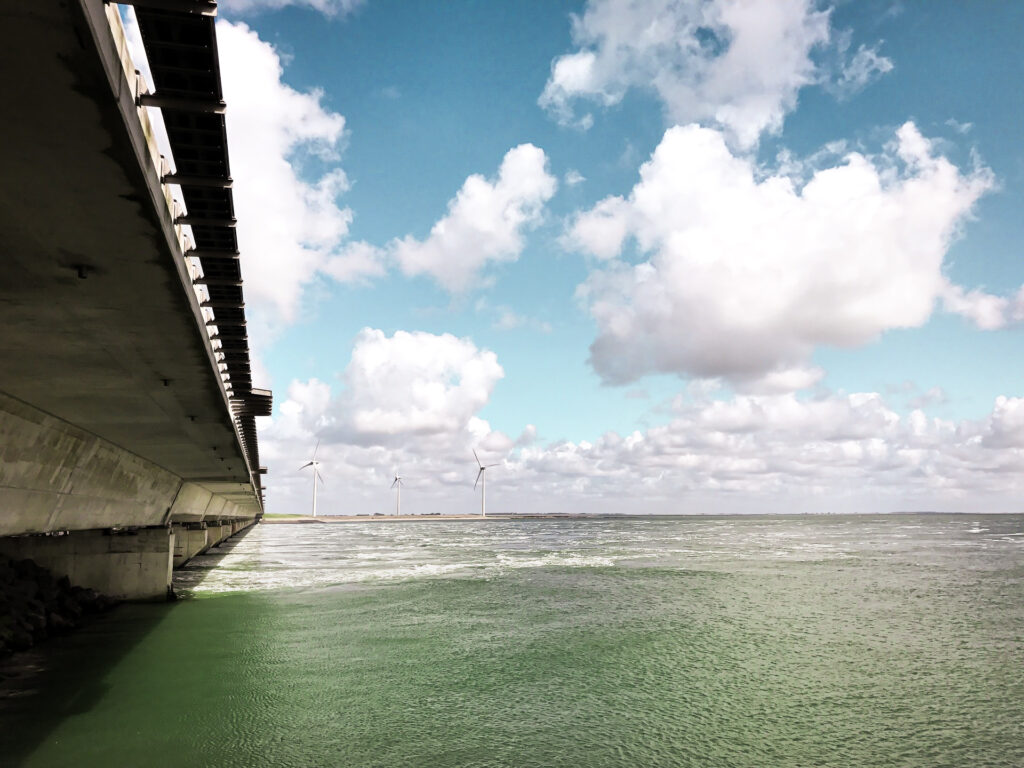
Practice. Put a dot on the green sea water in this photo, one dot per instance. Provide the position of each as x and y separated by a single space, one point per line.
795 641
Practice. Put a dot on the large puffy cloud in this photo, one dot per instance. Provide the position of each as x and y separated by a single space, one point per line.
290 223
747 272
411 388
485 222
1004 428
414 383
733 63
409 402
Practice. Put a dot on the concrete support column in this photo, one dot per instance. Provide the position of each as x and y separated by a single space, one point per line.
189 541
215 533
128 565
180 543
198 540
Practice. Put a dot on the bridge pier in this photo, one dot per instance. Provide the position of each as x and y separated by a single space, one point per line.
127 565
190 539
214 534
85 508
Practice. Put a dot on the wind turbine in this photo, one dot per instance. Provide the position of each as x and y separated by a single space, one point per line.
398 484
316 473
481 475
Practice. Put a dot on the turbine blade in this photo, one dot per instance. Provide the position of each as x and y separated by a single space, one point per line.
478 477
477 458
306 465
493 465
394 483
320 478
316 449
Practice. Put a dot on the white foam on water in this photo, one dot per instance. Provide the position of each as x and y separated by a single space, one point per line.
274 557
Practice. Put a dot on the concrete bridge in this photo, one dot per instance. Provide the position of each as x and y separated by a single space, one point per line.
127 410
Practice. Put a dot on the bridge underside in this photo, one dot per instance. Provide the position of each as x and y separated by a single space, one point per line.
114 412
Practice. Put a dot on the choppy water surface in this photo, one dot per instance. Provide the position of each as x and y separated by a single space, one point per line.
799 641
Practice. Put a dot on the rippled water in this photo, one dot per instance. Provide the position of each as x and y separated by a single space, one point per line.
798 641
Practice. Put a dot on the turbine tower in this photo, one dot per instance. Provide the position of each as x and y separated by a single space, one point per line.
482 476
316 473
398 484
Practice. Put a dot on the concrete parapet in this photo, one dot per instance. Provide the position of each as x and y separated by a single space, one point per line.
128 565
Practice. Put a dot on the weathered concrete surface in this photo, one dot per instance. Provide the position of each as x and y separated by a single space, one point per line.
217 533
55 476
114 412
130 565
189 541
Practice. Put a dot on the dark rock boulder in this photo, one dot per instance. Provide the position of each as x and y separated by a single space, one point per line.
34 604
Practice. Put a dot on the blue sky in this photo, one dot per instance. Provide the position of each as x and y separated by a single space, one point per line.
650 256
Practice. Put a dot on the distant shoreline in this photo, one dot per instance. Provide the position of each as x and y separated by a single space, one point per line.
418 518
379 518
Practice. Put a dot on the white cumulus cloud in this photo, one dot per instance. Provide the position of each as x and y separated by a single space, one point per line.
745 272
986 311
289 223
736 64
484 224
415 383
751 453
779 453
408 402
405 388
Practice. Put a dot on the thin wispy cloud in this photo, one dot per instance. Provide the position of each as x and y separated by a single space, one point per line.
330 8
573 177
858 70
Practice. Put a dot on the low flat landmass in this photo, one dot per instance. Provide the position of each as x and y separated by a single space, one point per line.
278 519
382 518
